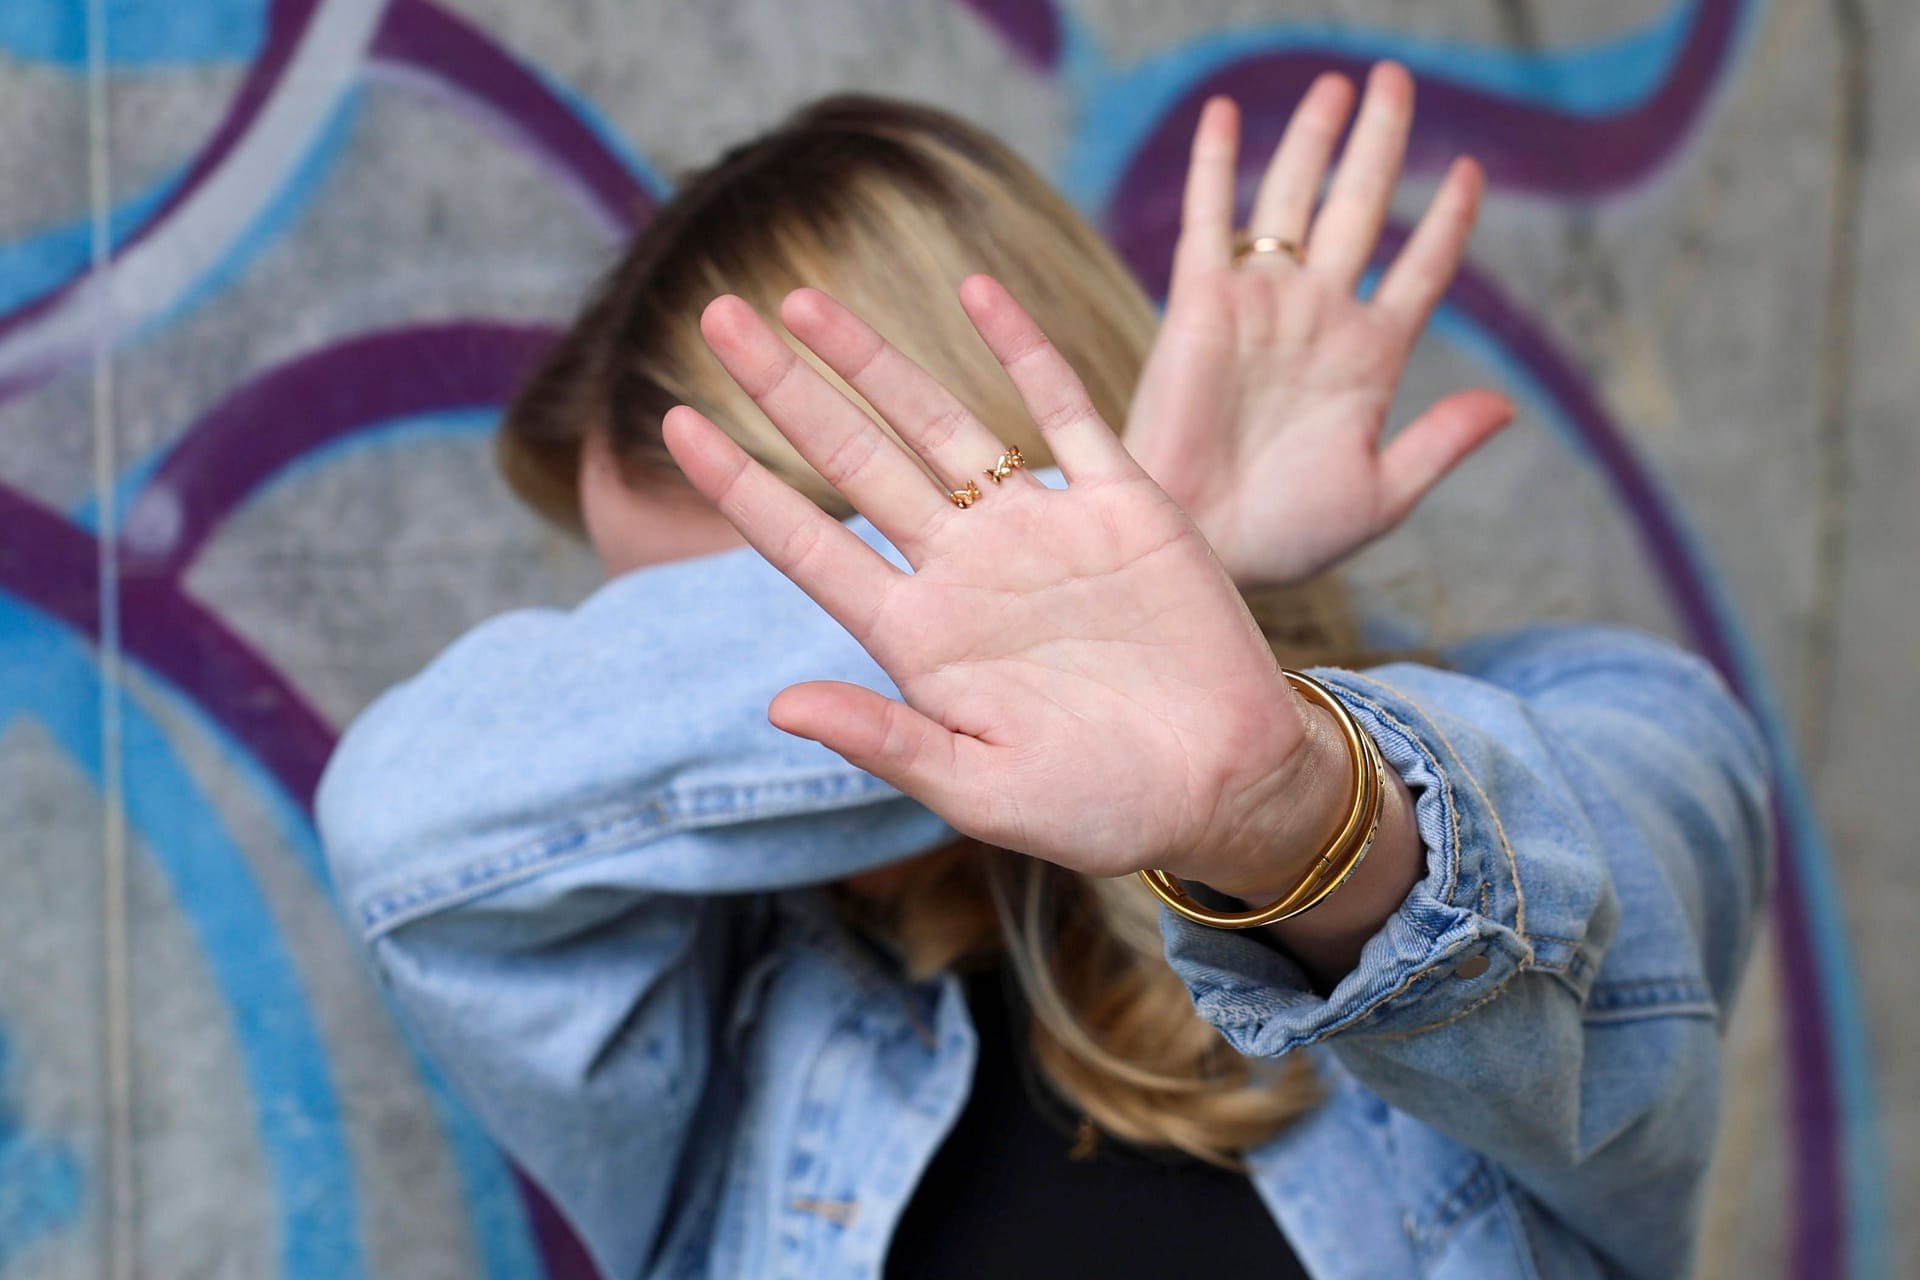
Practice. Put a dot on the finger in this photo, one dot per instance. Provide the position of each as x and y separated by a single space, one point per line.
1206 212
1434 443
1083 445
823 557
933 422
842 443
1343 236
1418 278
888 739
1291 185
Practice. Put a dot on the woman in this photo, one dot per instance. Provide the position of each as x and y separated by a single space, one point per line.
733 994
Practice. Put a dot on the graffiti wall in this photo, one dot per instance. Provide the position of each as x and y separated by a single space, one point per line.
269 268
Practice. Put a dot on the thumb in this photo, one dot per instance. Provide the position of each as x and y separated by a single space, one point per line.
885 737
1436 442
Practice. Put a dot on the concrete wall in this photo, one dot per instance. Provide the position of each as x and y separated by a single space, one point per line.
244 485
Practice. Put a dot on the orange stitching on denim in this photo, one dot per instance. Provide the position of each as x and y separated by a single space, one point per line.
1453 1017
1453 808
1453 812
1322 1034
1513 863
1374 1007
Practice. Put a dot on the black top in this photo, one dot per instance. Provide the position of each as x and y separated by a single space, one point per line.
1004 1196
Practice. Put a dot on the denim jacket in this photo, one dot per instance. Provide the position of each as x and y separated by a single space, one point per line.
586 867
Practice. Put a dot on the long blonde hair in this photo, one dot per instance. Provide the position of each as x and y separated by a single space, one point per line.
888 206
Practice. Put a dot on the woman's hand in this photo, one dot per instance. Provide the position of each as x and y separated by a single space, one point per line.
1262 404
1082 681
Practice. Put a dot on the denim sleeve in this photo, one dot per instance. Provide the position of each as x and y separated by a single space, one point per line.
555 841
581 1014
1593 805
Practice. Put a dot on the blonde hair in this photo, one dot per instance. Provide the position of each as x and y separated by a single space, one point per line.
888 206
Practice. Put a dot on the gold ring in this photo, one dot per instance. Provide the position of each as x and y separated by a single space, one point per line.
1004 466
1246 246
964 498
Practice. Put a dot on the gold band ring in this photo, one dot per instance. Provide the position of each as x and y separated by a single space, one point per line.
964 498
1246 246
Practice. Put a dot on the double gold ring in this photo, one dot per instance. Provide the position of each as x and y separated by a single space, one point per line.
1002 467
1245 246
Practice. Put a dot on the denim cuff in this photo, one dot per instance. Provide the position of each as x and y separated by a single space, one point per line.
1424 967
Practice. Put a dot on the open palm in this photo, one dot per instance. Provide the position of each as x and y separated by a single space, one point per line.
1081 679
1263 402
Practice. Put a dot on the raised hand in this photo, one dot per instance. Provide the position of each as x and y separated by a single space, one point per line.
1264 399
1082 681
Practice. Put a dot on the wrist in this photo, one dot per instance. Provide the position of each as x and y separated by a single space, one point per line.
1329 900
1327 940
1298 814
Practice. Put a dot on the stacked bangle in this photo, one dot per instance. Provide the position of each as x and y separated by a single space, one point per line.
1342 854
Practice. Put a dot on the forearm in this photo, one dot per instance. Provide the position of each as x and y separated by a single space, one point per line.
1592 811
547 735
1327 939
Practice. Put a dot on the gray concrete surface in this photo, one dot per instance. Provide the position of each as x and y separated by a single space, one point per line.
197 1077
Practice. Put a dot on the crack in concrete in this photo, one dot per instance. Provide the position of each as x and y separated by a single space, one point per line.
1835 478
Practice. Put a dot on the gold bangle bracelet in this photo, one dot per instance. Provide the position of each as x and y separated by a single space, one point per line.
1344 851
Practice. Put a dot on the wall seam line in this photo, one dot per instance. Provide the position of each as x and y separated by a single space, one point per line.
116 1004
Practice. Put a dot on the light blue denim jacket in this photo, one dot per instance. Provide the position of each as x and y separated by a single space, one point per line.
580 858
